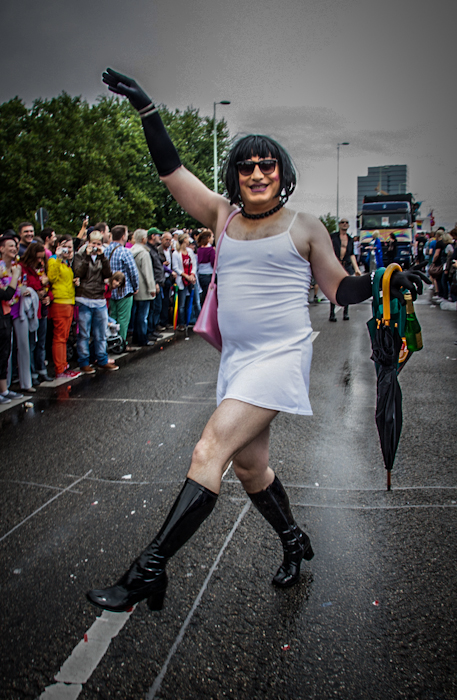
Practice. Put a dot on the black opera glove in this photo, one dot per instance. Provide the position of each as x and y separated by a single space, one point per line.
408 279
161 148
353 290
122 85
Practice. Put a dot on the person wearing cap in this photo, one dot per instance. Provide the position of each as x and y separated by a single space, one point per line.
154 236
92 268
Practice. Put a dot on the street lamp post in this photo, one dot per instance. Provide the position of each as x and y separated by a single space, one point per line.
222 102
343 143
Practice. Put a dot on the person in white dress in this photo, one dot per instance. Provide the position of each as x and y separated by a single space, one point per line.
264 272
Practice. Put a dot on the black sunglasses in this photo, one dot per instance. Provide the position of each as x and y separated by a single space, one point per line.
247 167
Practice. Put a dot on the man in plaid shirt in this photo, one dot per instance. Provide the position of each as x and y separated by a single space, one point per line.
121 260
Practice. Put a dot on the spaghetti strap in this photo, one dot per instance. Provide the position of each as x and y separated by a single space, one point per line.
292 222
229 218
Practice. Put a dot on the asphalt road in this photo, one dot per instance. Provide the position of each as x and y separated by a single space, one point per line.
90 471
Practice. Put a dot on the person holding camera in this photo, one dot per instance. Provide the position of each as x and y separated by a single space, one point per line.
92 268
60 275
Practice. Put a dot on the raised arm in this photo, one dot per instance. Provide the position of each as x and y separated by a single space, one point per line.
194 197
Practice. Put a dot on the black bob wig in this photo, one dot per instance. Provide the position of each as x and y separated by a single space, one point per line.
263 147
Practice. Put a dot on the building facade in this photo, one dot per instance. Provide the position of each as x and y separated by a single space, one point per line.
382 179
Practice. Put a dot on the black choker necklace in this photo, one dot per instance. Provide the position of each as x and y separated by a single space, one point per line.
265 213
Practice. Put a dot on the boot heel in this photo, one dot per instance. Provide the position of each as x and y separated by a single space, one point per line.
309 554
155 600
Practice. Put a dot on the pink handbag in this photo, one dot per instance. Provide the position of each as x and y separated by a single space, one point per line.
207 324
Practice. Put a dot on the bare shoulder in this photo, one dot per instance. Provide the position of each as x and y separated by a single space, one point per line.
307 232
223 212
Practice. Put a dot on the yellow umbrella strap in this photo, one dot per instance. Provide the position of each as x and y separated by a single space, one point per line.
386 291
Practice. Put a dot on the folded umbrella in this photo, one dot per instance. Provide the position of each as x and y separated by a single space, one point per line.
386 330
175 308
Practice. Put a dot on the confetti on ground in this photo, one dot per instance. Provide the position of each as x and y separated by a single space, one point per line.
172 425
316 483
376 602
285 647
85 637
95 503
127 476
160 444
148 442
17 571
326 605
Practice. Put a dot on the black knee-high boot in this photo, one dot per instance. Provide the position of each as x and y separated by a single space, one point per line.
147 577
273 504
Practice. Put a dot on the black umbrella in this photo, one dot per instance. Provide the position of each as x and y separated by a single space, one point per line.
389 416
385 328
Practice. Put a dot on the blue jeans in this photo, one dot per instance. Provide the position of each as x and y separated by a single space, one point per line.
38 347
182 296
140 322
154 312
95 321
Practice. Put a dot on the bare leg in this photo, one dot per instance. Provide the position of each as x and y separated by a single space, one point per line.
269 497
235 426
251 464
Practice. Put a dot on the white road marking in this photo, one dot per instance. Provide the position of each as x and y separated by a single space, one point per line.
314 335
75 398
230 464
158 681
236 499
86 656
44 506
33 483
350 488
60 691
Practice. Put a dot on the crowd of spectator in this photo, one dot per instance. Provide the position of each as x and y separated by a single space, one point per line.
435 253
102 279
53 287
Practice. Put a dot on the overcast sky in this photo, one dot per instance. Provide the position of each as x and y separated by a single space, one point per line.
311 73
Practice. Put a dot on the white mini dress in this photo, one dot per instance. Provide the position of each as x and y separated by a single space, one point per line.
262 289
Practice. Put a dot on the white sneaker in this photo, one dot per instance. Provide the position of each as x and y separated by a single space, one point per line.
14 395
4 399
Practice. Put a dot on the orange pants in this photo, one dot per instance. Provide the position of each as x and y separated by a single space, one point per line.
62 316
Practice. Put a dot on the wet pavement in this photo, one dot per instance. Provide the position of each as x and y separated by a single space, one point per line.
90 471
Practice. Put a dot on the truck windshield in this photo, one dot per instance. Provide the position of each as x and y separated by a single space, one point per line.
386 220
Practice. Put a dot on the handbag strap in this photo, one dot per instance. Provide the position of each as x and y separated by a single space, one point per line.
115 248
234 213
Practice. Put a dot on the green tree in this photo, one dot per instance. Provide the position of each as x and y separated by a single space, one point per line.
78 159
329 222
